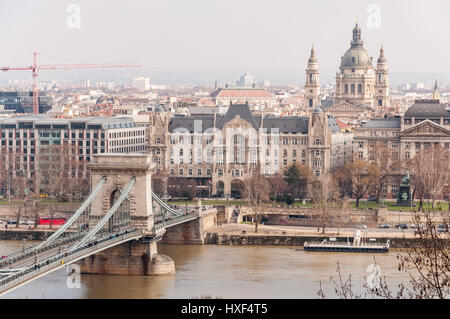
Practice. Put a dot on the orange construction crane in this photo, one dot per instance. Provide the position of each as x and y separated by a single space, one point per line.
35 67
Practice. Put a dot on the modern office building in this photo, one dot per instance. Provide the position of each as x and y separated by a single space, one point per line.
31 144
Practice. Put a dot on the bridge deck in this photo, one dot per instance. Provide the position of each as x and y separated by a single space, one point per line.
54 259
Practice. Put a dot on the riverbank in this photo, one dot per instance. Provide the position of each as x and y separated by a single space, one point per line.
242 234
27 234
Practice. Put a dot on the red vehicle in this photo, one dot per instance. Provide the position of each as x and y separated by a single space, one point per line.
56 220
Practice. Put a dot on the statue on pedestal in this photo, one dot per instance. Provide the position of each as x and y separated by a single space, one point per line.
404 193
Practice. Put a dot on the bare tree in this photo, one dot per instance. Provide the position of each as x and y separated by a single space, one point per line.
18 214
257 193
426 261
277 185
325 192
430 173
388 162
357 178
159 182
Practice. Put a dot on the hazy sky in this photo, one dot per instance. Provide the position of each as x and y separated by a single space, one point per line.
220 39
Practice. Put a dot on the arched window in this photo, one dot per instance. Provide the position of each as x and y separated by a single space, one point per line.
346 88
310 102
353 88
311 78
353 59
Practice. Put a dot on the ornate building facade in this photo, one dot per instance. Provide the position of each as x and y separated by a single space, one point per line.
424 124
220 151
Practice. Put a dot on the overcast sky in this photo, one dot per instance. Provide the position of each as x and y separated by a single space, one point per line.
220 39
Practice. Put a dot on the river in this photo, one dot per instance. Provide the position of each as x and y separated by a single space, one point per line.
220 271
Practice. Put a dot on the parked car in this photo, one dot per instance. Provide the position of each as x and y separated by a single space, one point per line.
442 228
362 226
401 226
414 226
385 226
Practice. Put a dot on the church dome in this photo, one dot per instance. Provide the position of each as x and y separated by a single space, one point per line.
356 57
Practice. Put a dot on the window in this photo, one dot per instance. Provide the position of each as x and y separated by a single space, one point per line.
294 153
317 173
359 88
190 171
353 88
181 172
346 88
220 172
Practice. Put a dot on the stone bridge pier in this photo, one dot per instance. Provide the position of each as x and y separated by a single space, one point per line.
138 257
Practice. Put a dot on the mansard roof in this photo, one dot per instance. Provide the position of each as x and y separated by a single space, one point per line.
383 123
285 124
237 109
426 109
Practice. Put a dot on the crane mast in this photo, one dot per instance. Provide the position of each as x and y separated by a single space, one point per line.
35 68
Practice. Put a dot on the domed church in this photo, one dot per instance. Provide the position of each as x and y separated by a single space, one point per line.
357 81
361 89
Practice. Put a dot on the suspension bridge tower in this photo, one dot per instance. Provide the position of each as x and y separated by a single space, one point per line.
128 174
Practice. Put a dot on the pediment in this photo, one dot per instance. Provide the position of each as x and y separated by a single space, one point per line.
237 123
426 128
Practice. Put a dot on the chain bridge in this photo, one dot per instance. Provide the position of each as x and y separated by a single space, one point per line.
114 231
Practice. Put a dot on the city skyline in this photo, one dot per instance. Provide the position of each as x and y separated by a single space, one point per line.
169 39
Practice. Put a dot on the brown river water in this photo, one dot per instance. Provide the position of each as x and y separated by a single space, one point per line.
221 271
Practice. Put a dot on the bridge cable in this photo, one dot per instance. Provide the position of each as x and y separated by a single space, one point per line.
105 218
72 219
